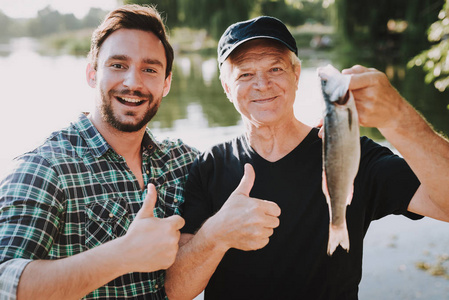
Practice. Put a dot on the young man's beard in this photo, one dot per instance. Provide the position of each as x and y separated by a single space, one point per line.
108 115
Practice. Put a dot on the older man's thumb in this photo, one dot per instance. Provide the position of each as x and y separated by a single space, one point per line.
247 182
146 211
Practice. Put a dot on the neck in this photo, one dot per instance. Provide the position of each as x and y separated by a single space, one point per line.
126 144
273 142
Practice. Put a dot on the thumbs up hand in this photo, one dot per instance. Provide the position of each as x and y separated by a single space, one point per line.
243 222
247 182
147 209
151 243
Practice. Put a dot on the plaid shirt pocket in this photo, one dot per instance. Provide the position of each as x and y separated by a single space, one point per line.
106 220
170 197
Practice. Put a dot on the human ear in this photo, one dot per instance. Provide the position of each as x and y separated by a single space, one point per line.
297 70
167 85
226 89
91 75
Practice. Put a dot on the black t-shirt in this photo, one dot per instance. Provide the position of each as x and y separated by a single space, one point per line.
295 264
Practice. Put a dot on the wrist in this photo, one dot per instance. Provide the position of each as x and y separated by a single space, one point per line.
114 257
401 123
210 234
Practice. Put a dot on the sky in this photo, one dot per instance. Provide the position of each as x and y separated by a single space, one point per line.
29 8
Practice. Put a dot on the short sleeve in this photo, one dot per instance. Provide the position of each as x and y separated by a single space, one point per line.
387 180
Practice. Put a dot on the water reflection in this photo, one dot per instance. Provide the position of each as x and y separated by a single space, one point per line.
209 71
200 89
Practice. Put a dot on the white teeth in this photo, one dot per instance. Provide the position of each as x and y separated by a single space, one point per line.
131 100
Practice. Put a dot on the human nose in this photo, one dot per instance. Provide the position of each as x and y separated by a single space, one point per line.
262 81
133 79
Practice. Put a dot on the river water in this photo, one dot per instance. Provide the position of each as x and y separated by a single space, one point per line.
41 93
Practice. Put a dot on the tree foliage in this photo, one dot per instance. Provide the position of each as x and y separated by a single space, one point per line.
397 26
47 22
217 15
435 61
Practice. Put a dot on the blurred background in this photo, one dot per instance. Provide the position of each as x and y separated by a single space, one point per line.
43 47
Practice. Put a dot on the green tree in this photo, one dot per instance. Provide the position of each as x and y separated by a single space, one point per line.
5 22
215 15
93 18
293 12
48 21
70 22
398 26
435 61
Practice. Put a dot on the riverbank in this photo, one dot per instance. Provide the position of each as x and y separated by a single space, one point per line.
406 260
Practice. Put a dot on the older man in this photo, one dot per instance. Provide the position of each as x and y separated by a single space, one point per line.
76 217
264 236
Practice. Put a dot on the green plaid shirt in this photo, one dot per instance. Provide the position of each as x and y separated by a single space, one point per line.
74 193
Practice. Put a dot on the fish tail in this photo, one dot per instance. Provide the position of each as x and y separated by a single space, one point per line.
338 236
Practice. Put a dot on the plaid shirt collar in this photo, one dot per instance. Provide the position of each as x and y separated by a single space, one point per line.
99 146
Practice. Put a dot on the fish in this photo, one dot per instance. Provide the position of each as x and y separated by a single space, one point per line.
341 152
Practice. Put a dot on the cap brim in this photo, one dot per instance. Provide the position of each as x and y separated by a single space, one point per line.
229 51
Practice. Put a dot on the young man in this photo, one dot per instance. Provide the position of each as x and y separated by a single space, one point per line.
266 236
93 211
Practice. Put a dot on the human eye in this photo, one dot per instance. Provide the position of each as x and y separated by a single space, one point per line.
149 70
117 66
244 75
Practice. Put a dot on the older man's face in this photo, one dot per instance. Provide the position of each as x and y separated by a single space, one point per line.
261 82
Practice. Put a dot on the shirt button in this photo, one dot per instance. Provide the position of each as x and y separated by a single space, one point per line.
175 200
156 286
111 215
148 172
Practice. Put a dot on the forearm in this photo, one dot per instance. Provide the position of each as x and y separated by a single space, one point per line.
425 151
72 277
195 263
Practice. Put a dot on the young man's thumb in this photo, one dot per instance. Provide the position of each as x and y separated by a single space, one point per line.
146 211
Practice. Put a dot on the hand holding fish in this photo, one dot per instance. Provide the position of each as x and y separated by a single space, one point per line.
377 101
427 152
243 222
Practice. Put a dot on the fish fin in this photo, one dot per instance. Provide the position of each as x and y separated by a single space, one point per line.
324 188
349 199
338 236
326 193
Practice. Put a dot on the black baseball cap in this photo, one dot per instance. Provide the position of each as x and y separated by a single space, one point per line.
261 27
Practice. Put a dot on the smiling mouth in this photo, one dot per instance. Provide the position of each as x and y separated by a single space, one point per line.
130 101
261 101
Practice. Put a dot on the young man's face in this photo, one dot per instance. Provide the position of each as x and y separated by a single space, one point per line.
130 79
